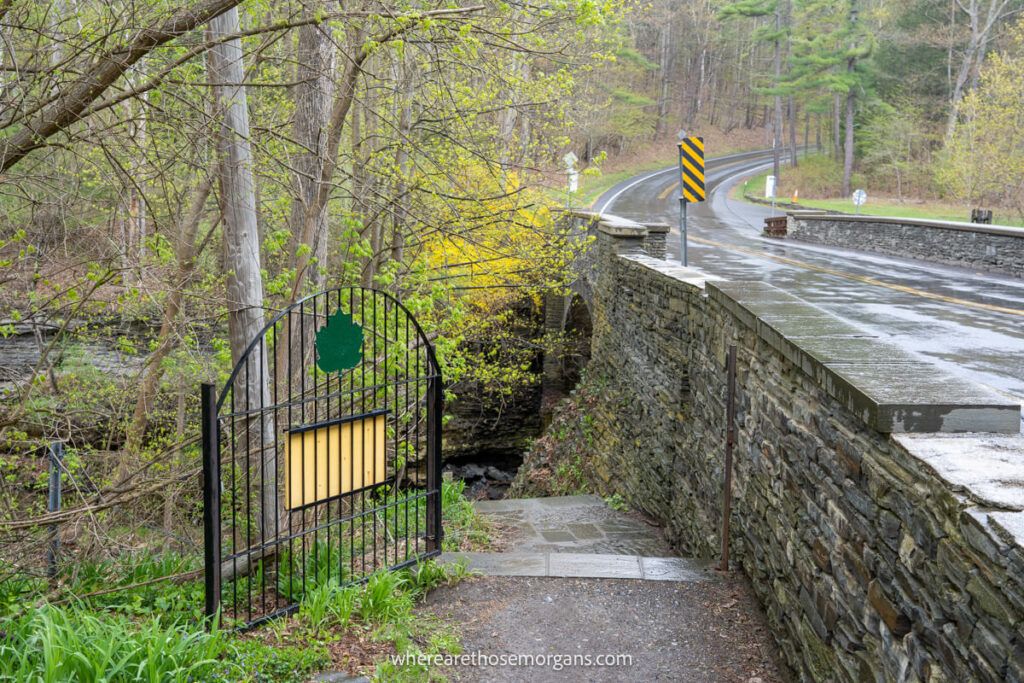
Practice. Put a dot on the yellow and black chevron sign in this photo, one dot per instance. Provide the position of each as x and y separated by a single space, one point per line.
691 164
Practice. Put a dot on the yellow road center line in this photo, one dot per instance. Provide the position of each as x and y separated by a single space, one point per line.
864 278
668 190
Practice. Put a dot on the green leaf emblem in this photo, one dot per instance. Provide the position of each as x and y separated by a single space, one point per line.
339 343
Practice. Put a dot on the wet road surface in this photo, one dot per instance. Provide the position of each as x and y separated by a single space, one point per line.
968 323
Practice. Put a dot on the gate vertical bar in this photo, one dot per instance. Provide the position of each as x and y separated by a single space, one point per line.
730 442
211 499
434 406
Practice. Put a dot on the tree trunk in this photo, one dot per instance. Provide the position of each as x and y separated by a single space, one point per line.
837 139
251 391
981 28
402 200
777 69
959 85
664 77
777 137
315 65
851 98
171 494
525 131
153 371
851 103
792 132
807 128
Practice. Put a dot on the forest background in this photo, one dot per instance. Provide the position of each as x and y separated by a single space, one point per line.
172 173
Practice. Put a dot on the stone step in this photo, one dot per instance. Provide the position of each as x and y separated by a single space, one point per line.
537 504
573 524
586 566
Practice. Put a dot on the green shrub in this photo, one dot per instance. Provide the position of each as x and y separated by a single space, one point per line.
329 604
464 529
253 660
167 601
385 598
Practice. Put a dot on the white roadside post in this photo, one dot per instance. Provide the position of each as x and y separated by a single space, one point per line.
769 191
570 160
860 197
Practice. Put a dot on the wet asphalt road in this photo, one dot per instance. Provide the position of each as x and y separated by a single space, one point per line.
968 323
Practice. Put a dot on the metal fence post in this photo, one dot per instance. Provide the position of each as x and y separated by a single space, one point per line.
56 457
211 499
730 442
435 529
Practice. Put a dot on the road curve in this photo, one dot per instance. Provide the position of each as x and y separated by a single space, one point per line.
969 323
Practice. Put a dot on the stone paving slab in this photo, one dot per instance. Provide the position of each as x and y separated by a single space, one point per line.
551 503
586 566
574 524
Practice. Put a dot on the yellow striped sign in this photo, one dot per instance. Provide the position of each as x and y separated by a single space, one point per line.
691 164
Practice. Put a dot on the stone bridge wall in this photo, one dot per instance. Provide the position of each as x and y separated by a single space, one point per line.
991 248
883 546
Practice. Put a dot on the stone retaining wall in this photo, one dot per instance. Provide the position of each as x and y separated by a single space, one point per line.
880 550
990 248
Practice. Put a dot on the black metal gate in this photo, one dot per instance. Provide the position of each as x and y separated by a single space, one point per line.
321 455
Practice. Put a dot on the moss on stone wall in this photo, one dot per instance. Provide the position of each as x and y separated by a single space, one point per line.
563 462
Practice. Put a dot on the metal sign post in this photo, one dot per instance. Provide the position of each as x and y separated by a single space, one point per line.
56 457
730 444
691 182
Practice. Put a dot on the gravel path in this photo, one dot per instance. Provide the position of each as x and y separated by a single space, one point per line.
687 631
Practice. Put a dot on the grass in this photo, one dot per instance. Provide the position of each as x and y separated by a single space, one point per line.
154 631
58 644
464 529
342 556
752 188
889 207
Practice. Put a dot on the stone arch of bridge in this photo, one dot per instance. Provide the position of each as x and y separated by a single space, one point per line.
567 321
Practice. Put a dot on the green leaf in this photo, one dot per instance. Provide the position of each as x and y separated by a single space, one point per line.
339 343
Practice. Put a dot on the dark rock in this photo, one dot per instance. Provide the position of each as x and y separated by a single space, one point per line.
498 475
897 621
470 472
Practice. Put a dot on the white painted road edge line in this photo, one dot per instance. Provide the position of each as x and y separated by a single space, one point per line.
611 200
